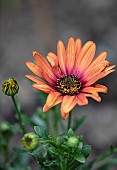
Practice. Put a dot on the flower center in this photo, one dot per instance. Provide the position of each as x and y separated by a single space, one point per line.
68 85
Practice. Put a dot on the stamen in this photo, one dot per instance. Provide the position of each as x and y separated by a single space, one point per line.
68 85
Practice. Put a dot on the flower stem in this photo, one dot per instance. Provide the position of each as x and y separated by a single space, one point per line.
69 120
19 114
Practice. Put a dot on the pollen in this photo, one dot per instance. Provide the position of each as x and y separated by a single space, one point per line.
68 85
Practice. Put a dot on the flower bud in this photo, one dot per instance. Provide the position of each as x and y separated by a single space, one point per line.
73 141
10 87
30 141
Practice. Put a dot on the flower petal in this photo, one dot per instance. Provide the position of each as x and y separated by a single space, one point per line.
95 70
35 69
70 52
34 79
52 58
53 99
41 62
67 105
97 98
81 99
87 59
61 56
78 45
43 87
82 54
99 76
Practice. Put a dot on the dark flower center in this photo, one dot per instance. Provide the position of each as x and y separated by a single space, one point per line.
68 85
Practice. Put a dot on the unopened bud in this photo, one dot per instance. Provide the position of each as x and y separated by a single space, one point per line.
73 141
10 87
30 141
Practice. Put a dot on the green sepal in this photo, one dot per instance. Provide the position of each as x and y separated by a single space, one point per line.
70 133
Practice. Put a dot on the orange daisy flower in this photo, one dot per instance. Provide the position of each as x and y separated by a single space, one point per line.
69 76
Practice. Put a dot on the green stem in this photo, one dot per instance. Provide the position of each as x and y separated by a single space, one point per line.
19 114
69 120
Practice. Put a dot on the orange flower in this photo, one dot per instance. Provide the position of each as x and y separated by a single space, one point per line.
70 75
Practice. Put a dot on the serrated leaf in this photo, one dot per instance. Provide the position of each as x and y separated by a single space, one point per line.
70 133
79 157
41 132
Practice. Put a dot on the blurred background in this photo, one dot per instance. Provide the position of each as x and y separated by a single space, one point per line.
27 25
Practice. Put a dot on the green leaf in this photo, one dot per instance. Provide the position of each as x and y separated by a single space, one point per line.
79 157
70 133
53 150
86 150
41 133
61 140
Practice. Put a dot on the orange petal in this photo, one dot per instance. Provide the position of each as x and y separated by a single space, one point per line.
78 45
81 99
82 53
41 62
61 56
95 70
35 69
99 59
67 105
70 52
42 87
100 88
52 58
87 59
94 89
97 98
34 79
99 76
53 99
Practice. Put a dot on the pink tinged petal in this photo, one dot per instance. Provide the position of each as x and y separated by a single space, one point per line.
97 98
87 59
61 56
81 99
82 54
43 64
43 87
35 69
52 58
70 52
99 76
67 105
53 99
57 71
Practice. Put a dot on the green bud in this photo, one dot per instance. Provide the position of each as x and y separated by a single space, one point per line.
73 141
10 87
30 141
